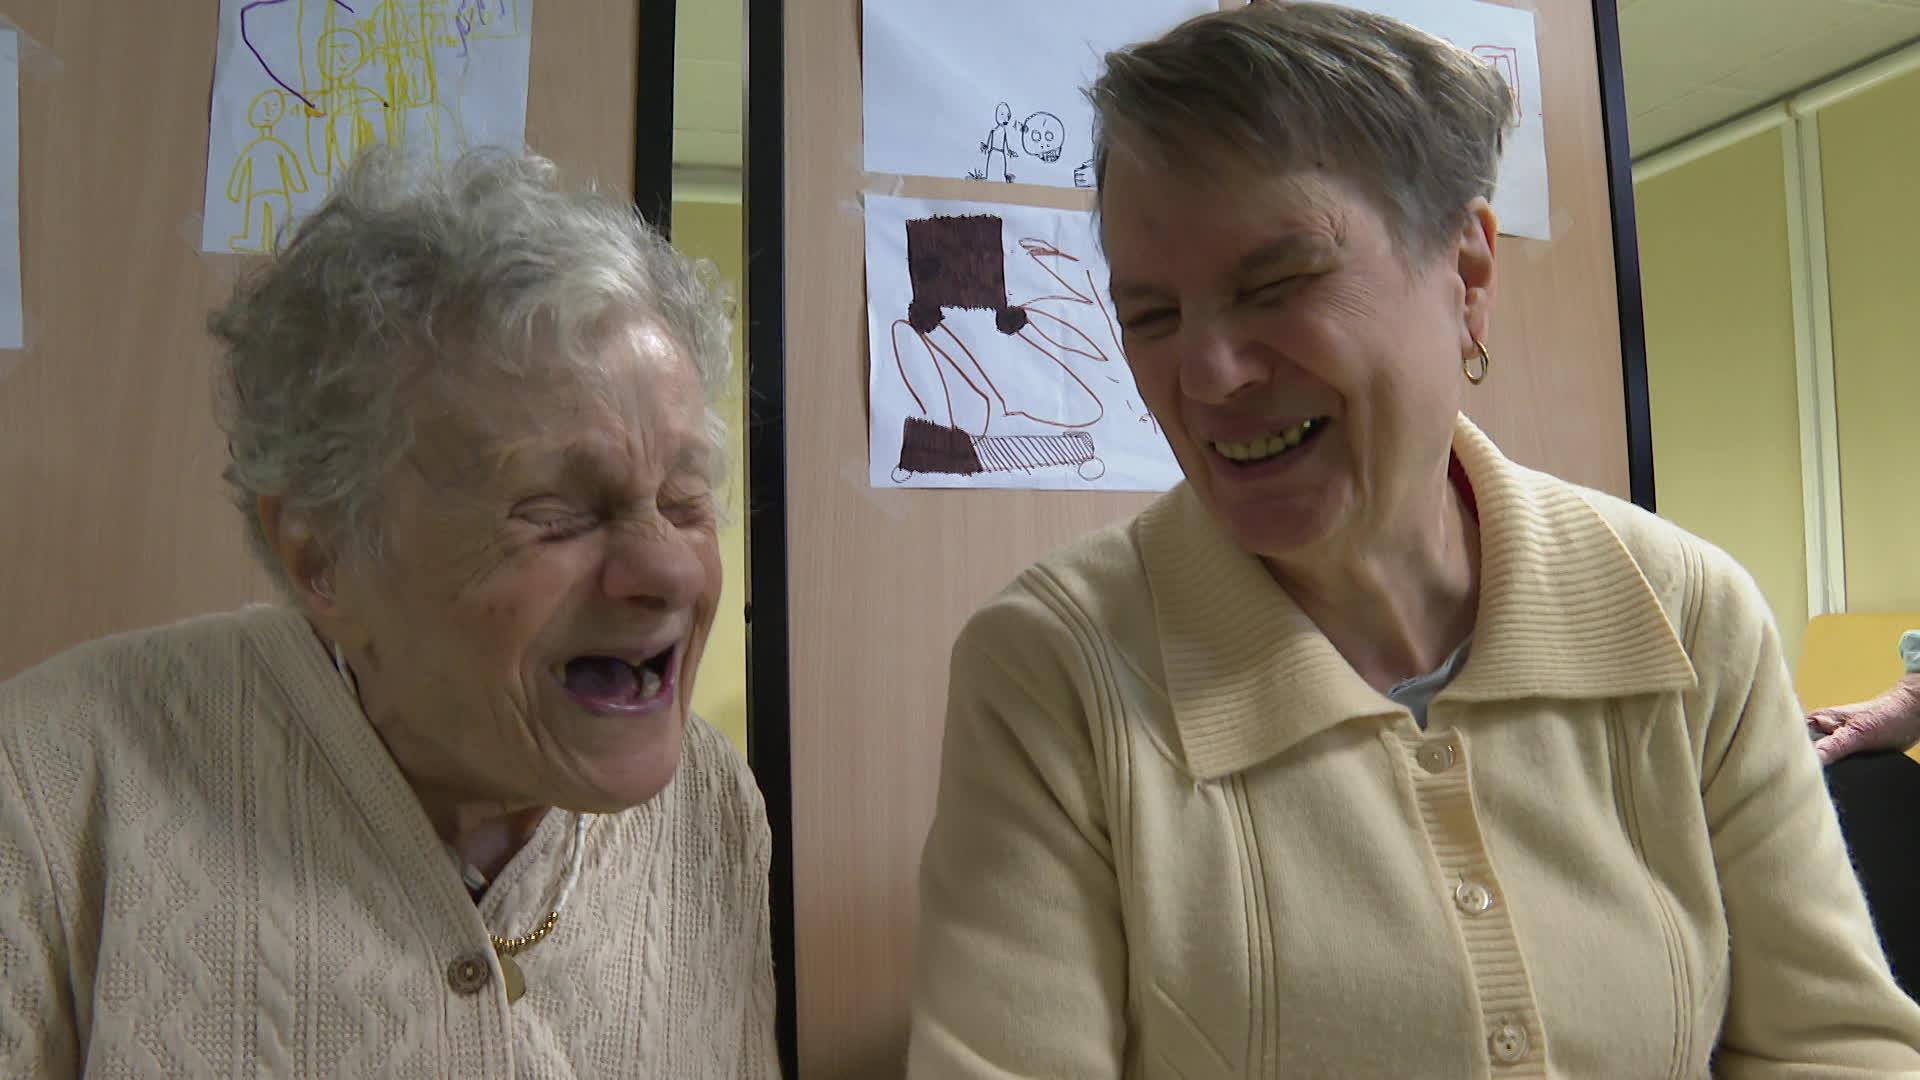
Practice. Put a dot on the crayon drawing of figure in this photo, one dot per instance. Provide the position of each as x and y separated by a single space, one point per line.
265 176
348 110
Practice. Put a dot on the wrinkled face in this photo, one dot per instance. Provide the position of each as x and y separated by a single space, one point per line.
1306 373
552 573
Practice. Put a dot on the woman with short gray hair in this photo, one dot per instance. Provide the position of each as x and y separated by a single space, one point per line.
444 811
1366 751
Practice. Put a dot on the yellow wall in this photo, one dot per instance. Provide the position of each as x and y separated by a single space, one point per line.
713 231
1870 162
1715 270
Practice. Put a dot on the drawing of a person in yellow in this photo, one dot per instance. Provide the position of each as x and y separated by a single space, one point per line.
406 36
346 107
420 119
265 177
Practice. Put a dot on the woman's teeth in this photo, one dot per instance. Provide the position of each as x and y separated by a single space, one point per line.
1272 445
649 682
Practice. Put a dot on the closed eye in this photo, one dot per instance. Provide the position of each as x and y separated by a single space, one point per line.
687 513
555 520
1149 321
1273 290
552 528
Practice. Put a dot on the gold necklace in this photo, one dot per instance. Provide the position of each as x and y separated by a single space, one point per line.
506 948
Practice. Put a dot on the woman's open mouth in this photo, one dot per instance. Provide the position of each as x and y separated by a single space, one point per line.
622 683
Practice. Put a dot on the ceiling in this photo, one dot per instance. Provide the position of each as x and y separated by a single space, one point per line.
709 41
1690 64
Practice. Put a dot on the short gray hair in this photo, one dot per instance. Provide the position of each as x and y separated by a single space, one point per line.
1417 122
406 270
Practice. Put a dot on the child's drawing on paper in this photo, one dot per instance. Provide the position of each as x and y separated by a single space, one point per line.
1040 136
1501 37
303 86
955 263
1506 60
997 144
995 361
342 113
265 177
993 90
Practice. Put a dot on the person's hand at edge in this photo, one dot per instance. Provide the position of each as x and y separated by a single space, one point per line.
1888 722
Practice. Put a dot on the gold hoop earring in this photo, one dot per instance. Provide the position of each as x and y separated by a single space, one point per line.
1476 375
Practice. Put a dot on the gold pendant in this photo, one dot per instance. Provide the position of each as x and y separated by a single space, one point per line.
510 974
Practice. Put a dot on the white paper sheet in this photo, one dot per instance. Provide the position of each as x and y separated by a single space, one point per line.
993 358
12 321
991 89
1503 37
300 86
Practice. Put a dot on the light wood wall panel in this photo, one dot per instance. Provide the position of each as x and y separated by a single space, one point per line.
112 514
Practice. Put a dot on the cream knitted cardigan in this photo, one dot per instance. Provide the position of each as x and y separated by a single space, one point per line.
1177 836
210 866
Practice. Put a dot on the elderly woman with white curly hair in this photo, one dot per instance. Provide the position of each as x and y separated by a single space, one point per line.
446 810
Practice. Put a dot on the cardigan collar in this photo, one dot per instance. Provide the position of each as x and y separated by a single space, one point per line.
1564 612
320 701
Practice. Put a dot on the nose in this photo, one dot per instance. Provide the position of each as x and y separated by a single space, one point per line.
1219 363
655 565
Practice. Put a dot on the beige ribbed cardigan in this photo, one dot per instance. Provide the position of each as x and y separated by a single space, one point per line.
1177 836
210 867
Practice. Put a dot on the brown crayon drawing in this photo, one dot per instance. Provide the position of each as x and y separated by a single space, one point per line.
956 263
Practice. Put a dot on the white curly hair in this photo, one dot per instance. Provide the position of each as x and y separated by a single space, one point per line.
482 266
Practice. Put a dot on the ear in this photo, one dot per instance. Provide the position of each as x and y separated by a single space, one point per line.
308 567
1474 261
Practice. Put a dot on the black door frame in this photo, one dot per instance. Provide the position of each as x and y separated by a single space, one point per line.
768 685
